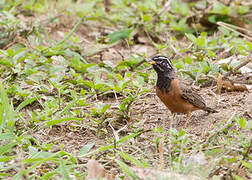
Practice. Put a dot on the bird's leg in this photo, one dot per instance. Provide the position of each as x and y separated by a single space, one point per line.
188 115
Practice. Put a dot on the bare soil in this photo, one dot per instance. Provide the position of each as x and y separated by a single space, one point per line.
149 112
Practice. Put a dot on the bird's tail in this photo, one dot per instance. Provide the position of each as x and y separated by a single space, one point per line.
210 110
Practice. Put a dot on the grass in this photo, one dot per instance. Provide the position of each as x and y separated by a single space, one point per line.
62 105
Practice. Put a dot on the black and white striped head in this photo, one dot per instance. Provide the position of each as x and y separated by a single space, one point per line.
161 64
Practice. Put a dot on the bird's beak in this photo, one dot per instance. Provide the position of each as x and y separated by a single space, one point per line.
152 62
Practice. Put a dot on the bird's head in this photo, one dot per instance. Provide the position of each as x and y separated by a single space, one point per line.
161 64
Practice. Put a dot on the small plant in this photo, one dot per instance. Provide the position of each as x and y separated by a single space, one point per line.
62 104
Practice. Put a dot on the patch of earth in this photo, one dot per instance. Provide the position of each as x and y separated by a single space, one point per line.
149 112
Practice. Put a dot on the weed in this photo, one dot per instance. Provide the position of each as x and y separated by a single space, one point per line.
59 99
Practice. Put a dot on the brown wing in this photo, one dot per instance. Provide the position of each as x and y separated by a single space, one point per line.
190 95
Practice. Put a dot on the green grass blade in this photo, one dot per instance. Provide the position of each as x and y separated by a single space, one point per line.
126 169
6 136
126 138
6 148
26 102
57 121
85 149
63 171
49 175
131 159
100 149
4 175
68 107
7 115
6 158
71 32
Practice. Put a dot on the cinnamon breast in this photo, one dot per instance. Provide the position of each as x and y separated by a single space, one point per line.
173 99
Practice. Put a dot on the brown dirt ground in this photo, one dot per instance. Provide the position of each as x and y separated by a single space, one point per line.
148 112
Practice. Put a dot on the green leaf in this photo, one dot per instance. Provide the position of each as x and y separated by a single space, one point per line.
140 81
247 164
10 52
6 158
26 102
126 138
212 18
100 149
201 41
57 121
236 177
89 84
6 136
6 148
127 170
75 54
181 26
85 149
68 107
220 8
49 175
7 113
191 37
249 44
5 174
20 55
18 176
3 52
118 35
211 54
6 62
64 171
37 155
147 17
131 159
104 108
51 158
243 9
86 67
242 122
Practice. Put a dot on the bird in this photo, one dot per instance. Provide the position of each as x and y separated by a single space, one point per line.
177 95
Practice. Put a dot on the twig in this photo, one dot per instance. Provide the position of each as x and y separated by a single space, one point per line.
187 73
243 82
166 6
149 37
227 26
210 148
72 31
138 64
238 67
122 56
235 27
213 172
115 133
